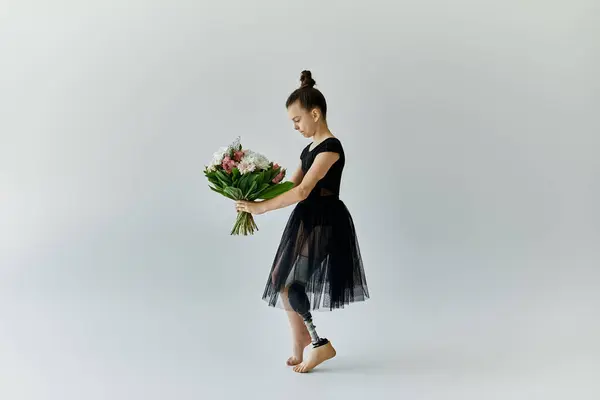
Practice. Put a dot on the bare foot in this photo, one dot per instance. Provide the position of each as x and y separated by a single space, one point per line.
316 357
298 353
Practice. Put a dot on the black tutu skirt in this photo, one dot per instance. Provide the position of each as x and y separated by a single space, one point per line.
318 249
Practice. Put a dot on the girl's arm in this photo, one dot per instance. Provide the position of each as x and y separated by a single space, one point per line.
323 161
297 176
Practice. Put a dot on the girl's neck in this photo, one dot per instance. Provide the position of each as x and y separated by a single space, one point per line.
322 134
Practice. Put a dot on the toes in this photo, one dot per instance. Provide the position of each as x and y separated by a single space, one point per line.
293 361
301 368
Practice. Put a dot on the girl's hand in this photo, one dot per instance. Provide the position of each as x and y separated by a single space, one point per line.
251 207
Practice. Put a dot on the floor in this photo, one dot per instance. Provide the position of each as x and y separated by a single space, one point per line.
163 345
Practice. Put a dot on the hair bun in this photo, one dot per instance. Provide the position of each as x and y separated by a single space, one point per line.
306 79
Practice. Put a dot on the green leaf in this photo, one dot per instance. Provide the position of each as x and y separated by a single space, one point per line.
234 192
273 173
235 174
214 180
238 193
257 193
257 177
243 182
276 190
252 179
266 177
222 183
220 191
252 188
224 177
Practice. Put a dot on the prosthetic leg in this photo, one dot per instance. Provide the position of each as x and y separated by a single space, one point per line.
300 304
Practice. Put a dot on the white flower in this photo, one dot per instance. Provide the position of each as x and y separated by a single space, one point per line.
246 166
250 162
211 168
218 157
260 161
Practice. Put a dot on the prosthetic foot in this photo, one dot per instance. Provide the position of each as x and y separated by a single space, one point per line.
322 349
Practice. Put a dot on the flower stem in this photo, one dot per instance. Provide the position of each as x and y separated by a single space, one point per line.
244 224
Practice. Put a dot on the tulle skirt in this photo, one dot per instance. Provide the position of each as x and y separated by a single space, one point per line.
318 249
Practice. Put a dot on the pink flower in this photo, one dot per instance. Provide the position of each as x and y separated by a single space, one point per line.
228 164
279 177
237 156
275 166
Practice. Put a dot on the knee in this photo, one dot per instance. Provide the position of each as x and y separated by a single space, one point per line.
297 297
295 291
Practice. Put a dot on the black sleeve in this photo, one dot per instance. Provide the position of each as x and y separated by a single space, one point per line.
332 145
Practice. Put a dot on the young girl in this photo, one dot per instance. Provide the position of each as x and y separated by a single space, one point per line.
318 264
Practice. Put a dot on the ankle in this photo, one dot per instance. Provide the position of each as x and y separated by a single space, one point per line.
302 339
321 342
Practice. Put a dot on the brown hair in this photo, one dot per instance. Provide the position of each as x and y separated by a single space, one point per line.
308 96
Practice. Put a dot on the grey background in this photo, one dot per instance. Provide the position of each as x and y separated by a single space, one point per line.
471 134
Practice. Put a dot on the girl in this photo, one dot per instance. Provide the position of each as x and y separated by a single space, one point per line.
318 264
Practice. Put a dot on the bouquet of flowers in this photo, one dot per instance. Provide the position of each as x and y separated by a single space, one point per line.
242 174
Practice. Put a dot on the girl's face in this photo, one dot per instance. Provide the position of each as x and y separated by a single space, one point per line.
306 122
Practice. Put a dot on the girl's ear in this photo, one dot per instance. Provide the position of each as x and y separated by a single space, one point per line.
315 114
